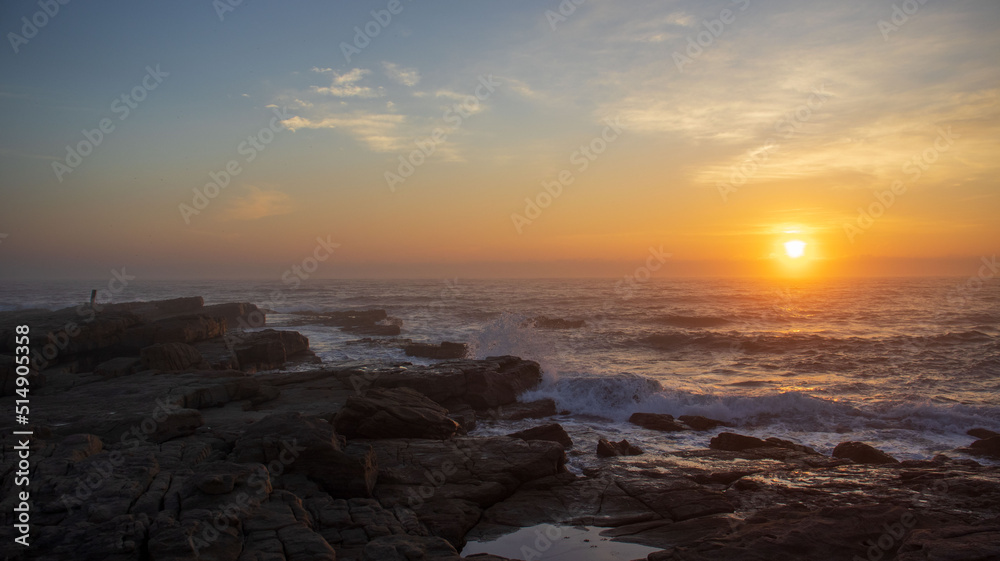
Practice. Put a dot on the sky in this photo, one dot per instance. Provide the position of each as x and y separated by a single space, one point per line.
204 140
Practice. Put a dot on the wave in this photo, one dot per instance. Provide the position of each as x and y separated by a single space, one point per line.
617 397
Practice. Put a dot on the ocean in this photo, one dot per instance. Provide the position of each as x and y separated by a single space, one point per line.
906 364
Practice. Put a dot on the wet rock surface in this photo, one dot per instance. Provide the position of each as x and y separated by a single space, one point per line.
156 455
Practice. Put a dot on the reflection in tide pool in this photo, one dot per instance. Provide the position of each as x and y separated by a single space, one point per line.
571 543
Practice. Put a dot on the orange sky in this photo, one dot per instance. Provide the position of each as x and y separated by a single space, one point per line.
875 145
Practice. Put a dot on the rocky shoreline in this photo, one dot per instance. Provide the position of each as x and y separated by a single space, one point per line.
163 431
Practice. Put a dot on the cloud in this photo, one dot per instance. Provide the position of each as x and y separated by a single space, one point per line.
405 76
257 203
380 131
345 85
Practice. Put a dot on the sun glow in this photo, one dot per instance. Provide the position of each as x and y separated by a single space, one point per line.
795 248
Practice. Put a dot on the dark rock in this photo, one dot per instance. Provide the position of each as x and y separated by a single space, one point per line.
449 483
607 449
479 384
861 453
175 423
403 548
539 409
720 477
466 419
118 367
268 349
989 446
179 305
781 443
697 422
735 442
656 421
443 351
170 356
238 315
982 434
308 446
394 413
553 433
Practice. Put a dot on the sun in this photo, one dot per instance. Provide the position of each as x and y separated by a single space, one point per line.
795 248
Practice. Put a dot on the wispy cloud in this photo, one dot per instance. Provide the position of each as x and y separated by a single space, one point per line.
405 76
346 85
381 132
256 203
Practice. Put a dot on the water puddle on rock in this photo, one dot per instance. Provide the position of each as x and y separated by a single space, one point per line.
550 542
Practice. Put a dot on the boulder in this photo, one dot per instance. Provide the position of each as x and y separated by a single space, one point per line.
861 453
393 413
697 422
444 351
735 442
982 434
552 433
781 443
990 446
656 421
308 446
606 449
268 349
170 356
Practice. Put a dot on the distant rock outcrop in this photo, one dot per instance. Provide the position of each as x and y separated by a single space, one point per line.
861 453
443 351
